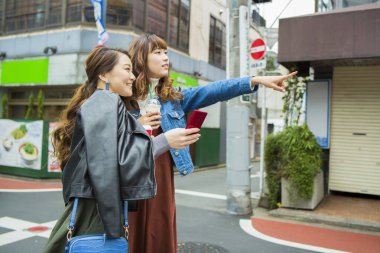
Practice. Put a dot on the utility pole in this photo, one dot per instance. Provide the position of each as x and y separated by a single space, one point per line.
238 171
104 12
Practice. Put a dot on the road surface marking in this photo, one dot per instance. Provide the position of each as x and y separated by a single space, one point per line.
32 190
210 195
201 194
247 227
20 232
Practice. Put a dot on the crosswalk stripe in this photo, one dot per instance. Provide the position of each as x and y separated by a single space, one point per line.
14 236
20 232
15 224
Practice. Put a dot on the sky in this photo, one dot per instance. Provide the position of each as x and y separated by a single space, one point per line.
296 8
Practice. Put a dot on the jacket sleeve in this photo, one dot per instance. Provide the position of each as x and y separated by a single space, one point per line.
99 119
214 92
160 145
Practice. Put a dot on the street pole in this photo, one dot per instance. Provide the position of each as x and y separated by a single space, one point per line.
237 157
104 12
263 136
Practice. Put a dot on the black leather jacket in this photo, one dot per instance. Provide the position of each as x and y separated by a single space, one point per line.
111 159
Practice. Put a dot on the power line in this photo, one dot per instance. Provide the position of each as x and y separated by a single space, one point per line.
281 13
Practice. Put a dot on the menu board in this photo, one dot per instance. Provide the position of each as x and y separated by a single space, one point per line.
21 143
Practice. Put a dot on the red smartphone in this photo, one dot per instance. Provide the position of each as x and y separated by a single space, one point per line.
196 119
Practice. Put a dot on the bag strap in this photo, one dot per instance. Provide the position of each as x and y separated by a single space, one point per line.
73 214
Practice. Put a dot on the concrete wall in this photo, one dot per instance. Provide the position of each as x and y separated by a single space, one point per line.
82 40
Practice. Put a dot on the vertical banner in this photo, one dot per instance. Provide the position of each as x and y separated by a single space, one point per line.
318 110
102 33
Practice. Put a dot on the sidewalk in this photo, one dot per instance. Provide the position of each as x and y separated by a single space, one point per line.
12 183
352 212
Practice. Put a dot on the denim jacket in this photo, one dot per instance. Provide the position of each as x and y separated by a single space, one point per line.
173 113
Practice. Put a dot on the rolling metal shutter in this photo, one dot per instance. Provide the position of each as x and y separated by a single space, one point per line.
355 130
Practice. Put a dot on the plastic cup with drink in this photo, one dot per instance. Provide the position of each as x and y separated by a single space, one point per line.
151 105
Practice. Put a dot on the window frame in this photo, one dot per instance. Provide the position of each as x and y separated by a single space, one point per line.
212 45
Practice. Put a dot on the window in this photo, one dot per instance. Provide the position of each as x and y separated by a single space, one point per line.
184 25
23 15
55 13
157 17
119 12
217 46
169 19
2 2
74 11
55 100
174 20
139 14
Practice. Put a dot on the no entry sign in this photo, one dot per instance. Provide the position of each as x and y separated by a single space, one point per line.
257 49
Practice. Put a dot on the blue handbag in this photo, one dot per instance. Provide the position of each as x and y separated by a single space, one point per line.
96 243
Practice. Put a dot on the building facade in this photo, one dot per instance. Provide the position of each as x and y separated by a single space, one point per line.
43 45
341 46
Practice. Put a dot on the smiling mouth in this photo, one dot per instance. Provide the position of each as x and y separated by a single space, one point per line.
165 65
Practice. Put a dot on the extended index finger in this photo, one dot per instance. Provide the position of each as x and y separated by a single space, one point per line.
290 75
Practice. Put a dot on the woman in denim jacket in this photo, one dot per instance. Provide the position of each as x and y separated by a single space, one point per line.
153 227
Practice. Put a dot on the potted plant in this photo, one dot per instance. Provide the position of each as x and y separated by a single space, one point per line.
293 157
30 109
40 105
301 175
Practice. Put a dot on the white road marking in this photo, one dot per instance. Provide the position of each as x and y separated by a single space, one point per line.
246 225
49 224
254 195
20 230
14 236
32 190
201 194
15 224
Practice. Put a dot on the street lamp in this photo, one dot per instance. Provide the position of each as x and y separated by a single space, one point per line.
50 50
3 55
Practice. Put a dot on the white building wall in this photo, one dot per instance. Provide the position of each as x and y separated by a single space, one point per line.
200 25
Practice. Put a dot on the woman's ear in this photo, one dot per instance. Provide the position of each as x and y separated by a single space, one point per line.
102 77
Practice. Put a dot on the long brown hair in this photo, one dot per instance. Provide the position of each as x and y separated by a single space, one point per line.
100 61
139 50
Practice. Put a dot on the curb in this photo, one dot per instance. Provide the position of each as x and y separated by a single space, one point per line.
305 216
206 168
200 169
29 179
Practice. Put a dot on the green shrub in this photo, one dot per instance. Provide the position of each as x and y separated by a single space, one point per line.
40 105
301 159
295 155
272 158
30 110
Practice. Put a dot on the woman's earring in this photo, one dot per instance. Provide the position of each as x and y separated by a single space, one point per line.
107 85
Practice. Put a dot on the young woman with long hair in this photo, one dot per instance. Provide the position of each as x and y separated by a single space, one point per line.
154 224
106 155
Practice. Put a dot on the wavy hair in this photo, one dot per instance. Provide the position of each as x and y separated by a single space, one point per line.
101 60
139 50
